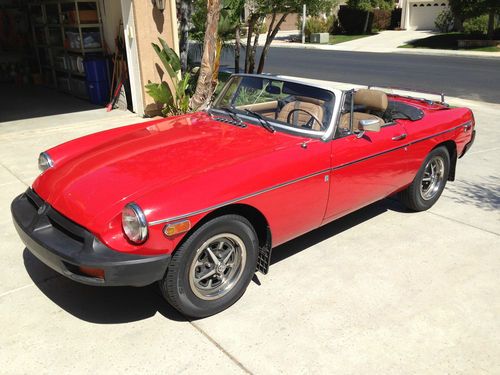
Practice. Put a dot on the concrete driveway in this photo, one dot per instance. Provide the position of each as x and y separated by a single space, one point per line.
379 291
384 41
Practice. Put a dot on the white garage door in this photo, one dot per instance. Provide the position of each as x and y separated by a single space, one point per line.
423 15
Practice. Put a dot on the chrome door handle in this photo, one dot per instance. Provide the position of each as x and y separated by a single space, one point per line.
399 137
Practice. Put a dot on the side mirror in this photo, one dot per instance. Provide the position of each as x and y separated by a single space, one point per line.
371 125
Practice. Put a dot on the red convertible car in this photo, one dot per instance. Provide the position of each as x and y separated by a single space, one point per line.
197 202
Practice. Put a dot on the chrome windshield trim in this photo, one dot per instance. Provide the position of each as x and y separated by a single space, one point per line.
323 135
235 200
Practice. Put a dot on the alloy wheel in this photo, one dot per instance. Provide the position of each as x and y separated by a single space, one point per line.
217 266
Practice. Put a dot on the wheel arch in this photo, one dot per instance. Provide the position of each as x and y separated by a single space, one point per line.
259 223
451 146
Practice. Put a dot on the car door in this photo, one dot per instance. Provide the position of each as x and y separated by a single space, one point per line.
366 169
296 196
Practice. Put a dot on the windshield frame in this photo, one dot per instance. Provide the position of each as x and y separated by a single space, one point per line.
279 126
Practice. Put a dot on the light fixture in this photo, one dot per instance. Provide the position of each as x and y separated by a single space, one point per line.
134 223
159 4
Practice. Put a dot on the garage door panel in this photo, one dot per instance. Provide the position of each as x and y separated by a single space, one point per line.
423 15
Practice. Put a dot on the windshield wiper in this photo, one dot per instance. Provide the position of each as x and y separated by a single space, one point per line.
265 124
232 114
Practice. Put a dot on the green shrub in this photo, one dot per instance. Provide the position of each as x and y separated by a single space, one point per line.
381 20
318 25
444 21
476 26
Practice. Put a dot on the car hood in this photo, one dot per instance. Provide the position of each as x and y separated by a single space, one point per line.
113 172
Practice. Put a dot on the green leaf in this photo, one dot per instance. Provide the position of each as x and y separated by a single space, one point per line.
172 57
165 60
160 92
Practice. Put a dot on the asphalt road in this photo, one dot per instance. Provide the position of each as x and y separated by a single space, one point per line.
463 77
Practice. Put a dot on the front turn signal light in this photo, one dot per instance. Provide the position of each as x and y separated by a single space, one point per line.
177 228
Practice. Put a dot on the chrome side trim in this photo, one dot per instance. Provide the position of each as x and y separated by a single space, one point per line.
235 200
397 148
328 170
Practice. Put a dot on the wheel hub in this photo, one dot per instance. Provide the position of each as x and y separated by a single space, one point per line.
217 266
432 178
221 268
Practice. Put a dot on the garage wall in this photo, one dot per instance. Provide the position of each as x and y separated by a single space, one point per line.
143 25
111 12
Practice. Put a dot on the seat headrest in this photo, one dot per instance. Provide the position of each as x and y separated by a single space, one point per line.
374 100
309 100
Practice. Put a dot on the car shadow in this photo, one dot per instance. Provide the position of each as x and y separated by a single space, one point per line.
350 221
114 305
102 305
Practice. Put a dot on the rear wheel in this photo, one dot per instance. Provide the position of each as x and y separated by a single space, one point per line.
212 268
429 182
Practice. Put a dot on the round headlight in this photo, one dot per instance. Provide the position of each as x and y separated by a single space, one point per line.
44 162
134 223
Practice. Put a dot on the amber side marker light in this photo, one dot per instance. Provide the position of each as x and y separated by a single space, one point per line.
94 272
177 228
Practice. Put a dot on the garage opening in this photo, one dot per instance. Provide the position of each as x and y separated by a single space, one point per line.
61 56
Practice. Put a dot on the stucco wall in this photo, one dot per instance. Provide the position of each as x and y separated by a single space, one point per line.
150 23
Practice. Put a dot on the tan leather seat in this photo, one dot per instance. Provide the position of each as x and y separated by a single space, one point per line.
372 100
300 118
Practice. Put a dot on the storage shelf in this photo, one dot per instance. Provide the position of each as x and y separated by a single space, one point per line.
49 18
82 25
76 74
84 50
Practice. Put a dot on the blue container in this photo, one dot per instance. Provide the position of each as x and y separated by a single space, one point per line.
96 69
98 92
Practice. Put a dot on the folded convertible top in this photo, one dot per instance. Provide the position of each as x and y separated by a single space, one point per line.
399 110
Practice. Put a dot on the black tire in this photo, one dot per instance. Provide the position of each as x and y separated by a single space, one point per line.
414 197
179 285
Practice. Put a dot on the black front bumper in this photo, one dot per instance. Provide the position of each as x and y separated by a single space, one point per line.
65 246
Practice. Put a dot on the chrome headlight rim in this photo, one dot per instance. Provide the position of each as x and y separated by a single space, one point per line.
44 161
141 220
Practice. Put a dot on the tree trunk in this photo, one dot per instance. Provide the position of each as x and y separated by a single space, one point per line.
271 34
491 23
365 28
248 48
237 49
204 91
185 16
251 60
216 65
458 24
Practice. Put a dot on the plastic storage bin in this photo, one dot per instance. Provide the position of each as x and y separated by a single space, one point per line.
96 69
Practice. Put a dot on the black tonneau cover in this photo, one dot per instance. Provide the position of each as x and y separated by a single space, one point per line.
399 110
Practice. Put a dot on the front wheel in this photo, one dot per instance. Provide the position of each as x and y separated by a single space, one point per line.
429 182
212 268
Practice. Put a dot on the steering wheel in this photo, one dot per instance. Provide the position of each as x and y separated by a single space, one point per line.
309 122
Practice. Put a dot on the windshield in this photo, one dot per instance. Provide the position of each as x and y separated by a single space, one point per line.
281 104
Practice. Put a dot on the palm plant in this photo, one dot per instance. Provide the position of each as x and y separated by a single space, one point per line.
176 102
